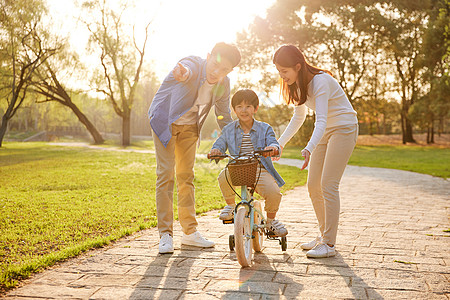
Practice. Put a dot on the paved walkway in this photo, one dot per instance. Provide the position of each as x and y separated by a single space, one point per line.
391 245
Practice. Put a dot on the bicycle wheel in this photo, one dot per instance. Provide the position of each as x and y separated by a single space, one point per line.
258 235
243 237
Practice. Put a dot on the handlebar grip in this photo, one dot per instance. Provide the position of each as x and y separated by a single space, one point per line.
275 152
209 156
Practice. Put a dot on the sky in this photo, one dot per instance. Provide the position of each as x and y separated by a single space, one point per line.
179 28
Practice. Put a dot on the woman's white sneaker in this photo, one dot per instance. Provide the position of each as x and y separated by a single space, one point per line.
312 244
321 250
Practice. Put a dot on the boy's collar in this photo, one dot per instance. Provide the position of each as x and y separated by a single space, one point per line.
238 124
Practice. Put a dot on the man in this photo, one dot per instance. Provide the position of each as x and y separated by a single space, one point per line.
177 114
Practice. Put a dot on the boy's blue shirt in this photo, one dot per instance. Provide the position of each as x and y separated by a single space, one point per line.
261 135
173 99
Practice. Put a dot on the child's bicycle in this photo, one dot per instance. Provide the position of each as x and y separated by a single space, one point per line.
249 221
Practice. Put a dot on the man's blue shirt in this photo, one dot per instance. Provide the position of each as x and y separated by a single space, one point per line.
173 99
261 135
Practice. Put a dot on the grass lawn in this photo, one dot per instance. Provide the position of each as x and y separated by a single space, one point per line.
426 160
56 202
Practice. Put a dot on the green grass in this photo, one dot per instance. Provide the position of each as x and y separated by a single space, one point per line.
426 160
56 202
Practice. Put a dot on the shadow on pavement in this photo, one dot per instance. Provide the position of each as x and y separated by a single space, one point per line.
168 276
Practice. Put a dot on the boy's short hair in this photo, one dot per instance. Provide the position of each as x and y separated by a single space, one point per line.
228 51
245 95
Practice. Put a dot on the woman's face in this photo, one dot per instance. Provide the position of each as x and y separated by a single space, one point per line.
288 74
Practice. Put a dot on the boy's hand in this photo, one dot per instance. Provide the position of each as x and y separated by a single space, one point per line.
180 72
277 158
214 152
306 155
272 153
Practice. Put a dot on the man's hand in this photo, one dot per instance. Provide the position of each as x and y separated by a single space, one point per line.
277 158
180 72
306 155
273 152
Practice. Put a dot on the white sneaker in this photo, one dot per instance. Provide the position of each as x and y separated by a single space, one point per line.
227 213
166 244
276 227
312 244
321 250
195 239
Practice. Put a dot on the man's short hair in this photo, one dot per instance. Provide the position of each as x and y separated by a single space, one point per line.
247 96
228 51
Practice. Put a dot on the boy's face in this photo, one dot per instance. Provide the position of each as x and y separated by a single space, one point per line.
245 111
217 68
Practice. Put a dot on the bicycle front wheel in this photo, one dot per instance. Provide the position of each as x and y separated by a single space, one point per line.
243 237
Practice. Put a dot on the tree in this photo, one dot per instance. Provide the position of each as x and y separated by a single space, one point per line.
121 58
22 52
435 105
48 84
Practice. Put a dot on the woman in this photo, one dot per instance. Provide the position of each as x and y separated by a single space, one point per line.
331 143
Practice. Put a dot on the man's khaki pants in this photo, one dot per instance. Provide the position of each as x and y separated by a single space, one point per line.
327 165
177 159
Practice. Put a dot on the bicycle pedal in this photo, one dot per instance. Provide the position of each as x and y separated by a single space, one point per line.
228 221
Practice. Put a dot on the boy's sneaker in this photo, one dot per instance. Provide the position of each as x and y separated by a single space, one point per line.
166 244
321 250
195 239
227 213
312 244
276 227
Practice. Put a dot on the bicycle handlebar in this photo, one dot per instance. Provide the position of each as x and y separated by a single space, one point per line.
260 152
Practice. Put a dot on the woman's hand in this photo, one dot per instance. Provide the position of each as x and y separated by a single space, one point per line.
306 155
277 158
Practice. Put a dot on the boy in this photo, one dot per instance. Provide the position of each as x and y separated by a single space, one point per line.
243 136
177 114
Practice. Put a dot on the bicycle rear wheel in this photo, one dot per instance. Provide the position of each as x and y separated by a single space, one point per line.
258 235
243 237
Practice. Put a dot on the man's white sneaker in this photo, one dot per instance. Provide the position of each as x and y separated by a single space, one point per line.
166 244
321 250
195 239
227 213
312 244
276 227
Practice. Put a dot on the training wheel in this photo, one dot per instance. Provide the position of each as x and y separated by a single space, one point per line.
283 243
231 242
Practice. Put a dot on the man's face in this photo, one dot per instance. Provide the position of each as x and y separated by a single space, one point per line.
217 68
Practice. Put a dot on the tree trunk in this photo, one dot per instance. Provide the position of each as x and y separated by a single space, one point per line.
407 133
98 139
3 128
126 129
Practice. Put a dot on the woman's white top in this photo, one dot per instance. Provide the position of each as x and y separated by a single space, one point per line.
327 98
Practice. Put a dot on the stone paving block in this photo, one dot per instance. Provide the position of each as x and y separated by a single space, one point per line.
271 288
169 271
196 295
56 277
161 282
381 294
242 274
36 291
131 293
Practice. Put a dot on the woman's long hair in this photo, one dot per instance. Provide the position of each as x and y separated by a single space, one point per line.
288 56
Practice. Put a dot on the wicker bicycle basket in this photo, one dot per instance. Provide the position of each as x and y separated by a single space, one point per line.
243 171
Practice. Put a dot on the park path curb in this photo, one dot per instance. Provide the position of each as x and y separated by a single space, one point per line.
391 244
